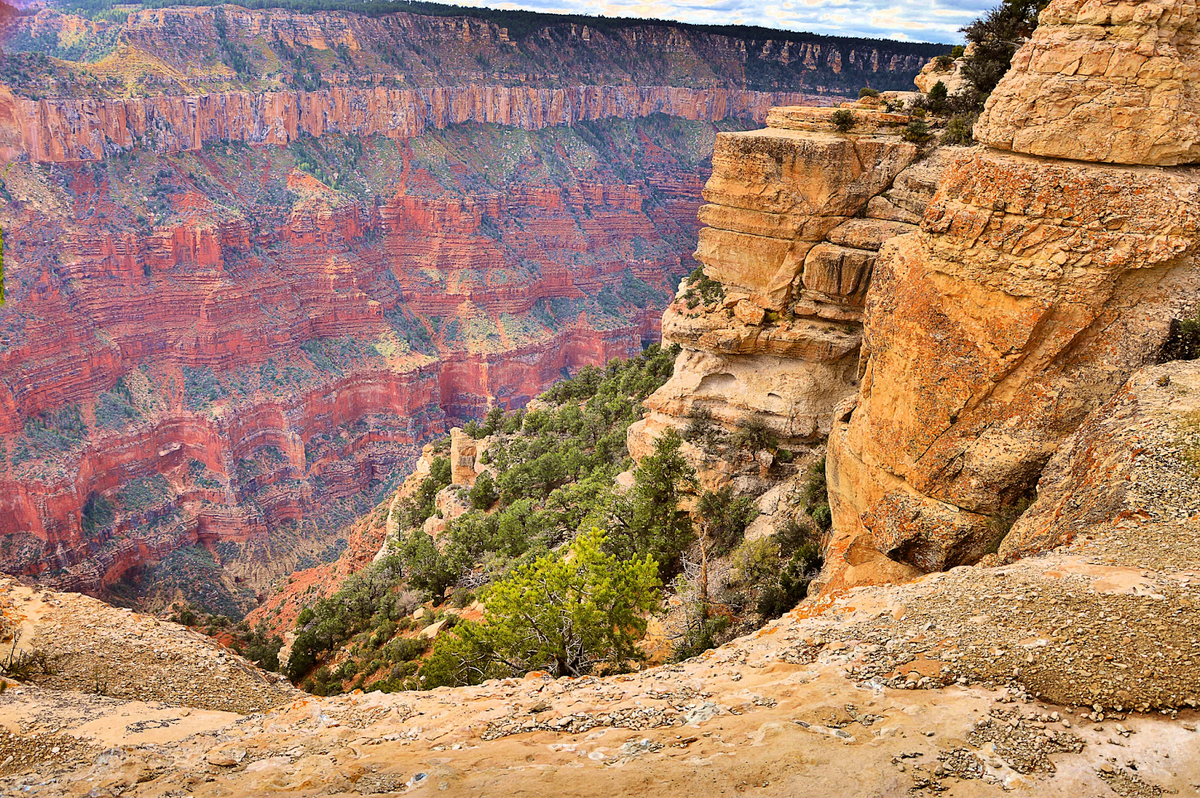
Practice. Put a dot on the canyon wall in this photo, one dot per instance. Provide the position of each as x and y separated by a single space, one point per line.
796 214
1034 288
224 348
61 129
256 257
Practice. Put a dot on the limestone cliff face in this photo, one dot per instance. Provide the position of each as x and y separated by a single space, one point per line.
1034 288
796 214
89 129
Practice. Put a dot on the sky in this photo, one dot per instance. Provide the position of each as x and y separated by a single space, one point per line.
911 20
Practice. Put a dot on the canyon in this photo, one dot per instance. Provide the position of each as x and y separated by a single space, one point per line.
254 259
983 345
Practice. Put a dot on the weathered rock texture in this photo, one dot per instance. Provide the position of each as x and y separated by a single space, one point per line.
855 688
1033 290
1134 461
1105 81
67 129
795 216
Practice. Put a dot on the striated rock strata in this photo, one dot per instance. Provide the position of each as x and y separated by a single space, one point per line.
241 347
66 129
795 216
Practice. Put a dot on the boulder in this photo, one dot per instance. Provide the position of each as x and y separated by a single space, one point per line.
1103 80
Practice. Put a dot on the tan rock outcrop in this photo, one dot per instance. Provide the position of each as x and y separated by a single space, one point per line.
933 73
1033 290
792 232
463 450
1105 81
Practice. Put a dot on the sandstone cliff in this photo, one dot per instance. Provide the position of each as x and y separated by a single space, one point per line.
795 217
1032 291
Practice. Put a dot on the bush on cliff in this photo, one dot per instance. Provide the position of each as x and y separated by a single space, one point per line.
551 474
996 36
565 613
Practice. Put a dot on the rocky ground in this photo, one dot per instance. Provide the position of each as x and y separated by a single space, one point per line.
1071 673
77 643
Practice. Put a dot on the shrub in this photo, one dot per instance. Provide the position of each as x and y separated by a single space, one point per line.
957 51
566 612
842 120
753 434
960 130
724 519
867 91
483 494
701 430
943 63
996 36
1183 340
702 290
917 132
937 98
700 637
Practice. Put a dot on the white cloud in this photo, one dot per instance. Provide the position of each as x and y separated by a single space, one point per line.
935 20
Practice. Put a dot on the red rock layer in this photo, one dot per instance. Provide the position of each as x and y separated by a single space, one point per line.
451 299
88 129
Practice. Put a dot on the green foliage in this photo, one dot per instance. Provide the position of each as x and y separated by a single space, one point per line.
814 496
115 408
55 431
960 130
262 648
702 290
701 637
957 51
648 521
723 519
1183 340
565 613
996 36
550 475
366 596
483 494
701 429
867 91
96 516
428 568
943 63
917 131
200 387
753 434
843 120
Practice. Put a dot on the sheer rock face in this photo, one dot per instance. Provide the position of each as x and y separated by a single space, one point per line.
775 194
1108 81
796 215
90 129
1032 292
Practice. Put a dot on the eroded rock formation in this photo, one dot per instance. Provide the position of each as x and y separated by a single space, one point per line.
1032 291
795 216
1109 81
89 129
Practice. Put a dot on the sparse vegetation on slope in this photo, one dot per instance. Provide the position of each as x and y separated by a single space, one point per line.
545 518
